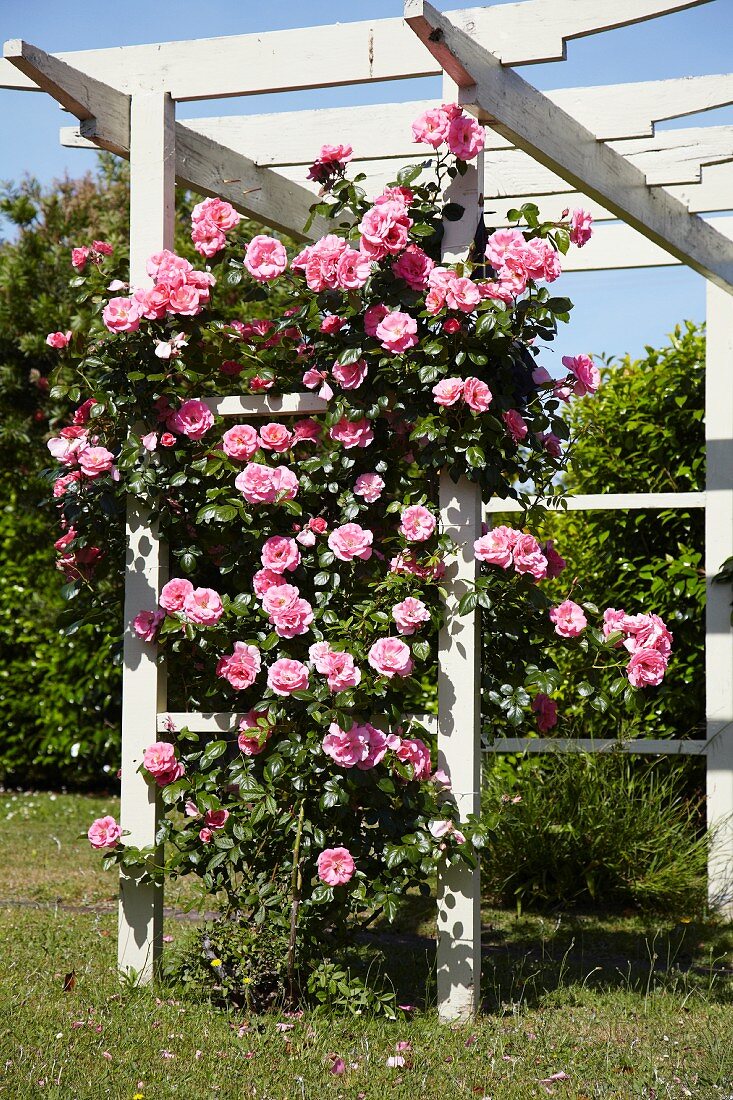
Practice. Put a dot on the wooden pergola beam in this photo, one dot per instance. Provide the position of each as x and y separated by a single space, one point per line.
202 164
506 102
359 52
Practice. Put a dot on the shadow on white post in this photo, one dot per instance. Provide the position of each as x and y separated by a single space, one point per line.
152 199
718 631
459 679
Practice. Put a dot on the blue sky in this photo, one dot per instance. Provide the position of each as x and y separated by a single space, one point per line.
615 311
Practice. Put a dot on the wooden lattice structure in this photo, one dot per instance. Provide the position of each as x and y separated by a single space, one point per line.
594 147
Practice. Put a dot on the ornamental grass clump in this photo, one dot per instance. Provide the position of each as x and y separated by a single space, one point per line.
307 557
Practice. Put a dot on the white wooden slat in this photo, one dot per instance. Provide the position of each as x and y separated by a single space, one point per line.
642 747
523 115
78 93
220 722
459 681
614 247
718 630
359 52
290 404
140 921
610 502
677 156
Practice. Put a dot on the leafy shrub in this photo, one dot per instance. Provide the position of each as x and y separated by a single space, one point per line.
595 828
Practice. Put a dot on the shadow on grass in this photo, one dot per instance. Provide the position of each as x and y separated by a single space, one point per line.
534 959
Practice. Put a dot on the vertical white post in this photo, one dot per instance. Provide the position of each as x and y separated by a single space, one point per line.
459 679
152 200
719 634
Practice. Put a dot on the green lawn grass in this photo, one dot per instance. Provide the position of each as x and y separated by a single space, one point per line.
624 1006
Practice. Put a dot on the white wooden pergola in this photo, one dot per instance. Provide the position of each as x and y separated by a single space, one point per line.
594 147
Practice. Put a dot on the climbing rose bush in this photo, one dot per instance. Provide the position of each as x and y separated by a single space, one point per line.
307 553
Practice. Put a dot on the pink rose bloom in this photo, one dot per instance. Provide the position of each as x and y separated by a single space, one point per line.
160 761
410 614
335 154
222 214
351 541
335 866
462 294
276 437
496 546
206 835
466 137
62 484
369 486
306 537
265 258
203 606
293 620
555 563
279 596
166 265
95 461
250 744
528 557
313 378
397 332
83 412
652 634
431 127
284 484
264 580
102 248
174 594
79 257
241 667
280 554
255 483
353 269
104 832
587 375
352 433
414 266
332 324
477 395
551 443
500 243
320 654
185 300
415 752
216 819
193 419
240 442
384 229
121 315
546 710
350 376
448 391
347 748
58 339
515 425
569 619
580 227
340 671
146 623
321 262
306 429
372 317
286 676
417 523
150 441
390 657
646 668
207 239
152 303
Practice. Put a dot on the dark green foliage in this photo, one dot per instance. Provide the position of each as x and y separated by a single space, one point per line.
600 829
642 432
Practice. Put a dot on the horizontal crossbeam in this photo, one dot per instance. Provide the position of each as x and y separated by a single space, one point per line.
591 744
611 502
506 102
344 53
289 404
